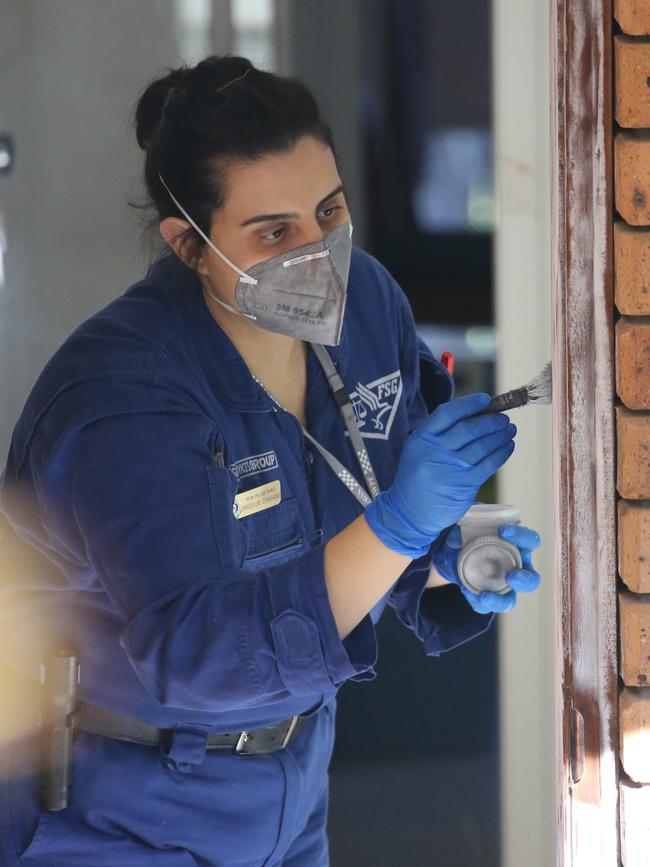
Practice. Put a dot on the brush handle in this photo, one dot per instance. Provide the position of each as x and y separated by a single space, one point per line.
508 400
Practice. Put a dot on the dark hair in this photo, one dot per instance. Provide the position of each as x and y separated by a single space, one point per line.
195 121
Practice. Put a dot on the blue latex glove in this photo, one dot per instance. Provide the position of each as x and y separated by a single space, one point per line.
522 580
443 464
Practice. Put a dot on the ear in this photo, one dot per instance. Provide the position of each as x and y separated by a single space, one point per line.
172 229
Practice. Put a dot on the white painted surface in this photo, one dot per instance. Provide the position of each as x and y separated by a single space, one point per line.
73 71
583 429
71 74
523 321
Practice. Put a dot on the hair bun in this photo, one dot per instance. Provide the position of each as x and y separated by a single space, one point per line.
151 105
221 71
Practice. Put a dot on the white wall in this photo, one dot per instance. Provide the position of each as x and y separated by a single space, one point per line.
71 72
523 319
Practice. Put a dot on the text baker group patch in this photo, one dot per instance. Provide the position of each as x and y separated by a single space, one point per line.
255 464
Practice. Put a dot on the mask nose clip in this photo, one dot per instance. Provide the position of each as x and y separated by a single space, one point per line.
306 258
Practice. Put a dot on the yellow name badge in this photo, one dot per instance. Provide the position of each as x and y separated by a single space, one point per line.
257 499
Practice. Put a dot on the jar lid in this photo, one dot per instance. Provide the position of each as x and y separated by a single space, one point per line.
492 514
484 562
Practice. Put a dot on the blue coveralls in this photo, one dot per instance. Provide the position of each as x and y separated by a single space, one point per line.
121 476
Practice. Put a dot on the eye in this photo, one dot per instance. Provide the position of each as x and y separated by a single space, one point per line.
328 212
273 235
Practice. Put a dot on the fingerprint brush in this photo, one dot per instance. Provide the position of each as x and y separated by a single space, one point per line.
538 390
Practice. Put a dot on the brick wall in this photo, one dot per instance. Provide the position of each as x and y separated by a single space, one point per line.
632 299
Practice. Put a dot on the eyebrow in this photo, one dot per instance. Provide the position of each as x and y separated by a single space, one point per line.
263 218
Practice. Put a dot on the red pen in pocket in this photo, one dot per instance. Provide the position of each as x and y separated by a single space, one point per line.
448 361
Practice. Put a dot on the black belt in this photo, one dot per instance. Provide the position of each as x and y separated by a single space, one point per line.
98 721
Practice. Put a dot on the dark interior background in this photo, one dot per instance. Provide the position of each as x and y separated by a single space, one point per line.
415 769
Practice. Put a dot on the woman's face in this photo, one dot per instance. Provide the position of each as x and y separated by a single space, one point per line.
273 205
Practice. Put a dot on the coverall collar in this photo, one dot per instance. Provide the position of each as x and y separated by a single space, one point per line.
224 366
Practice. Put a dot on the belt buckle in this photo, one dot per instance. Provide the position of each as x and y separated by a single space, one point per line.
290 730
244 738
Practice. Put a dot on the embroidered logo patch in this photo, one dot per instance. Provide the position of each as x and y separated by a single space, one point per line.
375 405
255 464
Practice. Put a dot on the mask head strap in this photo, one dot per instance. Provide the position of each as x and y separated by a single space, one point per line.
244 277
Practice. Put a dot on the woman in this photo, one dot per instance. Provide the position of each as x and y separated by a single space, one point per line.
216 485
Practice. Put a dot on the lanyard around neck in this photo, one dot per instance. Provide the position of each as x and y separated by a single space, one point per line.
344 404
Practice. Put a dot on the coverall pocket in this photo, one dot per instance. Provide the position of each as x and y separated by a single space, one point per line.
229 536
274 535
